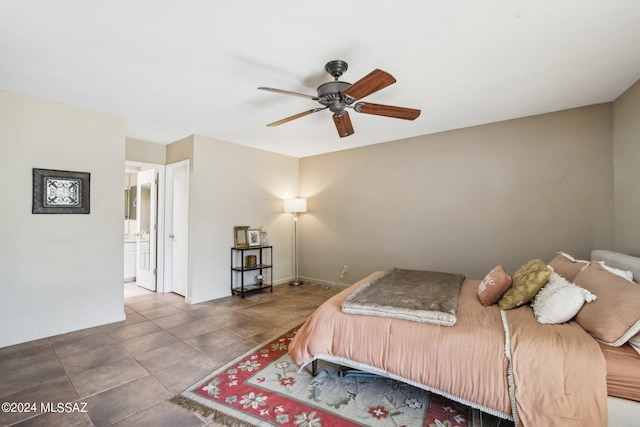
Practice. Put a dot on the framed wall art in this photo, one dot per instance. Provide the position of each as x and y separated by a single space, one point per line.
253 237
61 192
240 236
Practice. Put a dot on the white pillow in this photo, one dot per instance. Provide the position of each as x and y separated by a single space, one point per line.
618 272
559 300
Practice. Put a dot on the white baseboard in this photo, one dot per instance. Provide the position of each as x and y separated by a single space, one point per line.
311 280
27 336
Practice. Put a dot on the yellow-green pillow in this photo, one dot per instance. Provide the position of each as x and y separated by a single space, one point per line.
525 284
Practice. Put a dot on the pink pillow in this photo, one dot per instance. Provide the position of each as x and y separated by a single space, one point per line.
493 286
567 266
615 316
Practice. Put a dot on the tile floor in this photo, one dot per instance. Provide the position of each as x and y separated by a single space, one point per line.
131 289
125 372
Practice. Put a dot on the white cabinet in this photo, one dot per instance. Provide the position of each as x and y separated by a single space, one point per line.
130 261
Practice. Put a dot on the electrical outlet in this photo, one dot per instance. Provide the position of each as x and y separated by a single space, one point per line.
345 270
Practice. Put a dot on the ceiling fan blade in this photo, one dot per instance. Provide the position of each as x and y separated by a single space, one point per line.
343 124
288 92
372 82
297 116
387 110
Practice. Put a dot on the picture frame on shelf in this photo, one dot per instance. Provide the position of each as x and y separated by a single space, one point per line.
61 192
251 261
253 237
240 236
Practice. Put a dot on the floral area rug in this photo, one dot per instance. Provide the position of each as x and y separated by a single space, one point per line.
264 388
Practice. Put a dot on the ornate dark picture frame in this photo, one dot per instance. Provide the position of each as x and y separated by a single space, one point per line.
61 192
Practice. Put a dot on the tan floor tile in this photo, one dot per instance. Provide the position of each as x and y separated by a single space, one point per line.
58 419
143 298
179 302
139 329
148 342
120 402
125 371
227 318
284 318
265 336
163 357
229 352
132 319
205 311
93 357
210 343
104 377
294 323
73 345
21 356
193 329
172 298
73 336
174 320
179 377
234 302
305 308
251 327
164 414
34 373
147 305
165 310
60 390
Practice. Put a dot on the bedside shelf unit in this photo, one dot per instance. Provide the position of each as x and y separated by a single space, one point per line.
263 266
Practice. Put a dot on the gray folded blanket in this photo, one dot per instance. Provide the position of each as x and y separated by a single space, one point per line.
416 295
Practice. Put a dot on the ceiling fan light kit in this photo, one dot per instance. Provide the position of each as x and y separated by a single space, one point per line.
338 95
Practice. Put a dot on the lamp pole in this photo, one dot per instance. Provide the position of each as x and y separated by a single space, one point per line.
295 281
294 206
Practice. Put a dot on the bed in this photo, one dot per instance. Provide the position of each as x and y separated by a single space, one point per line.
502 362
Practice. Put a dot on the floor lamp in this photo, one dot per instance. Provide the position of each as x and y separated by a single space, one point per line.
294 206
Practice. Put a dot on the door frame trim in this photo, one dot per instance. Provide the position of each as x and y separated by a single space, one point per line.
168 218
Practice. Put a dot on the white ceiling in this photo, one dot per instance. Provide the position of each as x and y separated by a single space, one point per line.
175 68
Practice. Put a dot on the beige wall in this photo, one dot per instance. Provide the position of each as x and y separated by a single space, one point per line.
462 201
59 273
458 201
626 160
180 150
144 151
231 185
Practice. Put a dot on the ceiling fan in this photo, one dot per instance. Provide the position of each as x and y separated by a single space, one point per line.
337 96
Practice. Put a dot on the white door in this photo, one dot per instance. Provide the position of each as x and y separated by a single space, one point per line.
177 214
147 226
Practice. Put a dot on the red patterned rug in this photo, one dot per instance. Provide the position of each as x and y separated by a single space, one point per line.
264 388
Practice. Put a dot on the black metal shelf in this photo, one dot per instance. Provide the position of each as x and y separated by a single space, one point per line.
239 268
245 268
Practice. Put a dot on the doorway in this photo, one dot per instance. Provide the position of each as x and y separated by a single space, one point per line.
143 224
147 229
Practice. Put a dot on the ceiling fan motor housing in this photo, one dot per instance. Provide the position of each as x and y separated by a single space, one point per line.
329 94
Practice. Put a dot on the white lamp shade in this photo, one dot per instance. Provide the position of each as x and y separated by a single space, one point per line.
298 204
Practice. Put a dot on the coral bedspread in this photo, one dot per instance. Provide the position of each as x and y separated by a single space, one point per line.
502 362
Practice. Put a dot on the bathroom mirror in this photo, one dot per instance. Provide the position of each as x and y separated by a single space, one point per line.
130 202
